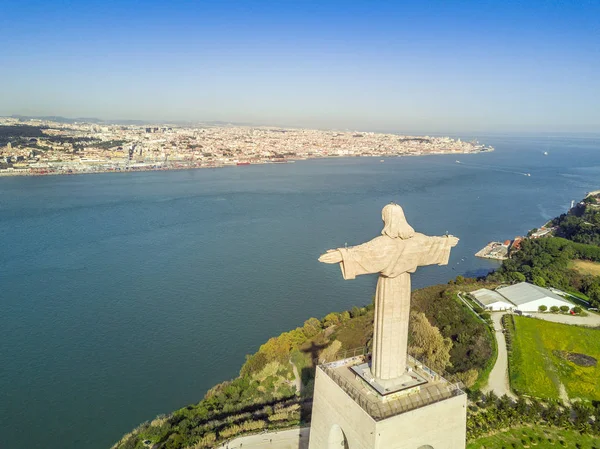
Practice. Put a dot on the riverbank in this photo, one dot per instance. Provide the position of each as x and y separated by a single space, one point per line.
47 147
137 168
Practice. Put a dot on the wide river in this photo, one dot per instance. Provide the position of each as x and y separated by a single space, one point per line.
124 296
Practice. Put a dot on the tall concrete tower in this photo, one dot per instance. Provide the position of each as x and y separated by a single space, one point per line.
388 400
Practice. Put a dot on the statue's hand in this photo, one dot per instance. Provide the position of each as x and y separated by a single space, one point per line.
453 240
331 256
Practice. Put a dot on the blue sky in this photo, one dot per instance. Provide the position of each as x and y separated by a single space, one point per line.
436 66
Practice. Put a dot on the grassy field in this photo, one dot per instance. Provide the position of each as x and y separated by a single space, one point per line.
538 437
586 267
536 367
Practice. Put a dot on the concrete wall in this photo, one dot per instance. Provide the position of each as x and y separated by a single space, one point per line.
332 406
497 306
442 425
533 306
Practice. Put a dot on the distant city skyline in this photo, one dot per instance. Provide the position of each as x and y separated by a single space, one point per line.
439 67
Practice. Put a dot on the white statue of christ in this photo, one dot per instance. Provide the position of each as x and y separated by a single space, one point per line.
394 255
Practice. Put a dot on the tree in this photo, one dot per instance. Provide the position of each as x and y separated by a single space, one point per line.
539 281
515 276
468 377
355 312
254 363
427 344
593 293
542 308
331 319
311 327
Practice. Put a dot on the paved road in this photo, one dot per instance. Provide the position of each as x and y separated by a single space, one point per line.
285 439
592 319
498 380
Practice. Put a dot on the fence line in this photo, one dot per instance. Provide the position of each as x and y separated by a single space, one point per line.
427 394
378 410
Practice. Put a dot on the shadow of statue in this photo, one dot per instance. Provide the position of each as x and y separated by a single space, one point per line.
307 378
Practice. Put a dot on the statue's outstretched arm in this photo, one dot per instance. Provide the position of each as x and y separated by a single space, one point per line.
331 256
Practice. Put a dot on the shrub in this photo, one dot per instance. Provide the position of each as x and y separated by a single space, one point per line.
311 327
577 309
207 441
355 312
539 281
331 319
542 308
468 377
564 309
554 309
254 363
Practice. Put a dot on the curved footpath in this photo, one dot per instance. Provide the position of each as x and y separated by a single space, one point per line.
498 381
296 438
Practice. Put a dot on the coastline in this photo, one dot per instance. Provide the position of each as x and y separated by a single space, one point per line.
46 147
126 168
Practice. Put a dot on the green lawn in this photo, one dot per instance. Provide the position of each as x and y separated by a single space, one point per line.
536 437
535 368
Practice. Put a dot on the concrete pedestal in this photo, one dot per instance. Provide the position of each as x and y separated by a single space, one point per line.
347 414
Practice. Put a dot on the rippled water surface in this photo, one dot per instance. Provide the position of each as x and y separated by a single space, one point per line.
123 296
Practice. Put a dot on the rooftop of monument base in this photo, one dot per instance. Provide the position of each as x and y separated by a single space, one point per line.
424 387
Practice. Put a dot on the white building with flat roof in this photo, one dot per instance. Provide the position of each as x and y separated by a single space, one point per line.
522 296
491 300
528 297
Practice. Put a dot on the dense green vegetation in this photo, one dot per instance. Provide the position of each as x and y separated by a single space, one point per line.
582 223
547 262
472 341
552 261
265 395
10 133
540 362
489 416
26 136
539 437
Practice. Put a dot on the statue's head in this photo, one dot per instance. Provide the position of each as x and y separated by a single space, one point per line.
395 224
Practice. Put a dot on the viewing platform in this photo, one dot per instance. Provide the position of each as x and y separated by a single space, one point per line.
420 387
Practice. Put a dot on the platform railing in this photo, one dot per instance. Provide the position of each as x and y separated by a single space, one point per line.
378 410
427 394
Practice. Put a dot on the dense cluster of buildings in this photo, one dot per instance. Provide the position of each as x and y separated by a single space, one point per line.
91 147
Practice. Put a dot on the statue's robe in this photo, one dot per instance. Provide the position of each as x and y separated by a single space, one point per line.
393 259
